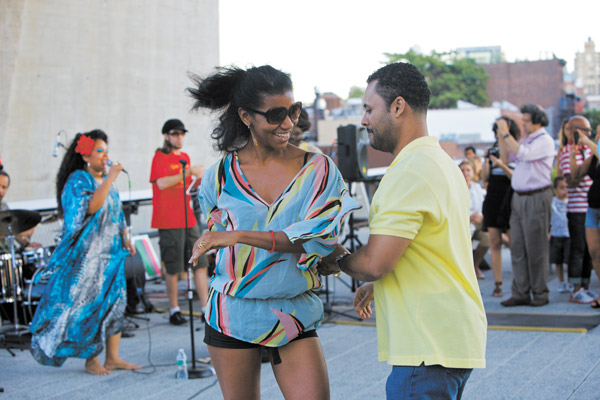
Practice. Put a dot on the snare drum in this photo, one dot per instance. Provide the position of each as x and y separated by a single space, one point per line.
34 259
11 277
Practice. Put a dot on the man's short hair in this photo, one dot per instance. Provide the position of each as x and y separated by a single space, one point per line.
470 148
557 180
405 80
538 115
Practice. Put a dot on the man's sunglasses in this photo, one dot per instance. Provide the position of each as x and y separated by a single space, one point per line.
276 116
176 133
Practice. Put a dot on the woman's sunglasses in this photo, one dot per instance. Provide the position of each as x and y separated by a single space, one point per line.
275 116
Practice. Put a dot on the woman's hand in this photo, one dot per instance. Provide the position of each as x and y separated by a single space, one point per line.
114 170
328 267
362 301
129 246
212 240
496 161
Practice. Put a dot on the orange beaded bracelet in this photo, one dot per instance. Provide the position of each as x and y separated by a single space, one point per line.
273 237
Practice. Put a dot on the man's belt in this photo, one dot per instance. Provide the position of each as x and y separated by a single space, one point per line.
530 192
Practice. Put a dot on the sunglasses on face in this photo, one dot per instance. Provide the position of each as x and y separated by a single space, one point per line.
275 116
176 133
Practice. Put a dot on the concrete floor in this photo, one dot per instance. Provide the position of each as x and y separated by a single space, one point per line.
520 364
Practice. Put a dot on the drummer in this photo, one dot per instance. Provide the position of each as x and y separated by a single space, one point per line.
22 238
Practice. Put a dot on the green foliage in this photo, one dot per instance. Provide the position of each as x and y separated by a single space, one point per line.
356 92
449 78
594 117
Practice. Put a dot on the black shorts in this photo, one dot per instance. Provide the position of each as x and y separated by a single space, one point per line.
559 250
214 338
176 249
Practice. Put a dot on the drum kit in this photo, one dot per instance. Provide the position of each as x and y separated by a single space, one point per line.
17 271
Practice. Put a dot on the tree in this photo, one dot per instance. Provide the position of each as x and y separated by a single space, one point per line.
356 92
594 117
449 78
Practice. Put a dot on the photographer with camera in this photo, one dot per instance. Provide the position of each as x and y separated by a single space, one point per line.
530 206
497 171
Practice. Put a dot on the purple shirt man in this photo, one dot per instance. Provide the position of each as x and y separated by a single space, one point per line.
530 207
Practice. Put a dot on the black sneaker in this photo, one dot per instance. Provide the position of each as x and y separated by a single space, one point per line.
177 319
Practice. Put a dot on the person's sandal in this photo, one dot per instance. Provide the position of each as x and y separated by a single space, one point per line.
498 290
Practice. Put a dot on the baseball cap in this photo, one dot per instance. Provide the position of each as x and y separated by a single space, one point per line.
173 124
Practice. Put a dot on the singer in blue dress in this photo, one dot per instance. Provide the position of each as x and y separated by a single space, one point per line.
83 304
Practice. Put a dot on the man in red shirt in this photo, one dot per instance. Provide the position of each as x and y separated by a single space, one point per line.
168 215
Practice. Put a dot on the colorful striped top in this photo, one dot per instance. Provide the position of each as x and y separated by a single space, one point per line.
577 202
261 297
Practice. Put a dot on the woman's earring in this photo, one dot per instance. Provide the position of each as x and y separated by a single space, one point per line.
254 141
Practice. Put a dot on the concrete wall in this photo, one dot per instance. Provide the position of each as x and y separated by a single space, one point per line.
120 66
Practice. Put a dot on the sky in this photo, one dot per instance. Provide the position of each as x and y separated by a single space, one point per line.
335 44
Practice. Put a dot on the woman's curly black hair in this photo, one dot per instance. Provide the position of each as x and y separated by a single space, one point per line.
73 161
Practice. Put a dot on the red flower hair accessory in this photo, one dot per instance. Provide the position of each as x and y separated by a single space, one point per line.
85 145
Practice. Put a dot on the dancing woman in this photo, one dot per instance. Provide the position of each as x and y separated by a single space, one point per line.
83 305
273 211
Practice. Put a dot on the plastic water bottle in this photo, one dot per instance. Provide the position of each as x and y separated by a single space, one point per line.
182 372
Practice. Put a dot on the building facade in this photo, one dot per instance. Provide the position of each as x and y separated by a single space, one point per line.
73 66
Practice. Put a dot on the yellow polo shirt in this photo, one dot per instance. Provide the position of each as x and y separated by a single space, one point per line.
429 308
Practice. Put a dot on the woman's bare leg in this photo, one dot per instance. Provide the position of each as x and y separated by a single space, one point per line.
592 236
238 371
496 253
112 355
302 373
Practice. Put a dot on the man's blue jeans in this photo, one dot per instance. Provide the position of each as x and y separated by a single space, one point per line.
426 382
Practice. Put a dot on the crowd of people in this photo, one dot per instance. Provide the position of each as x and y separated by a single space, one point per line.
541 202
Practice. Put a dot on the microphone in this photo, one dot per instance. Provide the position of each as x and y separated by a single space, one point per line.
109 163
183 163
56 144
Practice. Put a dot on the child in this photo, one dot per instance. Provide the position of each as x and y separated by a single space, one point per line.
476 195
559 232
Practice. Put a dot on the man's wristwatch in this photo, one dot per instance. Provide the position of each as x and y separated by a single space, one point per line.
339 259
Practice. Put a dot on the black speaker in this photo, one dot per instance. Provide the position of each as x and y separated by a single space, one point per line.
352 142
135 277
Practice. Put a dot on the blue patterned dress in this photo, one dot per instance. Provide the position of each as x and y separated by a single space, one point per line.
261 297
85 298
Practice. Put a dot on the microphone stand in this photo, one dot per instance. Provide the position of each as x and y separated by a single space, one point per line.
194 372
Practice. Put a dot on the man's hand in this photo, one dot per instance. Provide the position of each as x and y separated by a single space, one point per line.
362 300
197 171
502 128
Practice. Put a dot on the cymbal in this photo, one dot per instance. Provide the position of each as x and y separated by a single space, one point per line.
50 218
18 221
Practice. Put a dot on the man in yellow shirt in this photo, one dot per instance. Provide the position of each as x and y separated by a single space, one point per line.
431 325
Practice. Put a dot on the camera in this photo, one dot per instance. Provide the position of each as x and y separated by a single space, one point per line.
493 151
